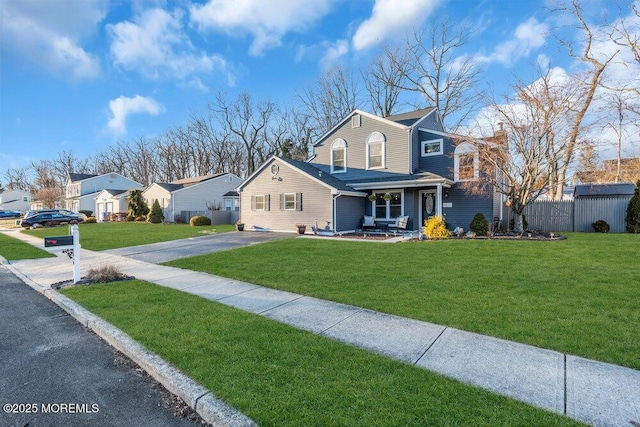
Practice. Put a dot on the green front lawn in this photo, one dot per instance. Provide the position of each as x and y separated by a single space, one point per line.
112 235
13 249
278 375
579 296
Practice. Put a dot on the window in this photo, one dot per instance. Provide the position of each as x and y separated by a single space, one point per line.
259 203
356 121
465 163
339 156
289 201
431 147
375 151
388 204
228 205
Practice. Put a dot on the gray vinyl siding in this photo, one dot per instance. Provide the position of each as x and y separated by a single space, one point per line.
441 164
317 200
196 197
464 207
396 148
350 211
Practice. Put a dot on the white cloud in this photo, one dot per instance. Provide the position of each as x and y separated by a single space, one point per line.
122 107
528 37
334 52
267 22
155 45
390 17
48 34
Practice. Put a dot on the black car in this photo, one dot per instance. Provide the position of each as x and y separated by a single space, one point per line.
10 214
46 219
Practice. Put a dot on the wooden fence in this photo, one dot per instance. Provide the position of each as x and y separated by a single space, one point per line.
578 215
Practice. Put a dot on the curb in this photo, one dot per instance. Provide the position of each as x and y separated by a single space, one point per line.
212 409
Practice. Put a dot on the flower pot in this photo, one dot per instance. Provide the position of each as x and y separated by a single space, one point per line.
302 229
240 227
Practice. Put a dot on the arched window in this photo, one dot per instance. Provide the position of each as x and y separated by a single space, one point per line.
339 156
375 151
465 163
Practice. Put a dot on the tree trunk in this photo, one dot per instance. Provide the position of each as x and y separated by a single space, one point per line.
518 226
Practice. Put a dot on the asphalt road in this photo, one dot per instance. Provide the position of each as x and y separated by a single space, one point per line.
54 372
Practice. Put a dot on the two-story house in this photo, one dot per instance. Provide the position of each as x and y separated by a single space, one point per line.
82 190
15 200
402 165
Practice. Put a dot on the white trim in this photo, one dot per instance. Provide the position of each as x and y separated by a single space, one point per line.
388 203
264 202
336 146
356 121
437 192
432 141
382 140
446 183
284 202
362 113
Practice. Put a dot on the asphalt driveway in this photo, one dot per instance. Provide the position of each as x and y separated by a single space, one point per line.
55 372
157 253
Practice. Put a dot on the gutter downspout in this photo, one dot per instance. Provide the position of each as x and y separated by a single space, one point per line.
411 151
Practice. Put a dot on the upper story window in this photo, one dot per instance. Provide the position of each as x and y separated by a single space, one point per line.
431 147
339 156
375 151
356 121
465 163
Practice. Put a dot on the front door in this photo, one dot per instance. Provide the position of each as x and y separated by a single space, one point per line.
429 205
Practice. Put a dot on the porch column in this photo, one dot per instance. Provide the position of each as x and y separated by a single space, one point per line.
439 200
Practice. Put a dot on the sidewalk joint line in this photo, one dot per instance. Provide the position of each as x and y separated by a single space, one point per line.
565 383
359 310
280 305
431 345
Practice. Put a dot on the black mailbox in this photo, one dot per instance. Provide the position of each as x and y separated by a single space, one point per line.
58 241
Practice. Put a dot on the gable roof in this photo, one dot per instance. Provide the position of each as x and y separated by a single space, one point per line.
170 187
312 172
620 189
74 177
196 179
411 117
348 117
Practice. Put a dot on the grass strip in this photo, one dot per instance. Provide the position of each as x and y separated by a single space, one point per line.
577 296
14 249
282 376
113 235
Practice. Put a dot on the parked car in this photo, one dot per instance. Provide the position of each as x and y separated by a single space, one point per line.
10 214
31 213
49 218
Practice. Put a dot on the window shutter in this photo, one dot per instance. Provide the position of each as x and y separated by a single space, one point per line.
299 201
267 202
253 203
281 201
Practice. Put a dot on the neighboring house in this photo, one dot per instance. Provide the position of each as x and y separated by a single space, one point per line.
15 200
199 194
110 201
82 189
403 165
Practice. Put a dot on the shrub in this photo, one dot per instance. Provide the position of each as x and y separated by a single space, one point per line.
155 214
199 221
633 211
179 219
90 220
479 224
436 229
140 218
105 274
601 226
86 213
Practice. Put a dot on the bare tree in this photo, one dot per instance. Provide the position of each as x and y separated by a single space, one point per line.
17 178
431 67
621 119
384 80
587 82
325 102
245 121
624 35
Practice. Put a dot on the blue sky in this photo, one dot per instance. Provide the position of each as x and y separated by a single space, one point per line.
80 75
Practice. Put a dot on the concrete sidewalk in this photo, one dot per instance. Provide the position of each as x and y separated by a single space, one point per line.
593 392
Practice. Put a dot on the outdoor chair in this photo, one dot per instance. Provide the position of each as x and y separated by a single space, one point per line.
368 223
400 224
